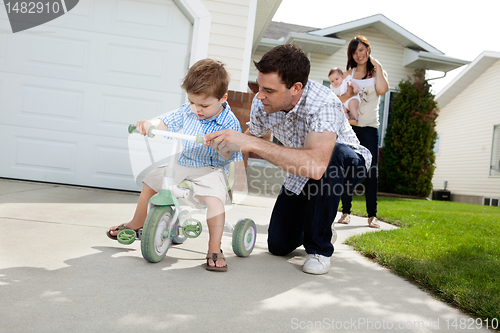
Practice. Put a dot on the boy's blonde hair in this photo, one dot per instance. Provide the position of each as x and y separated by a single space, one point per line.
207 77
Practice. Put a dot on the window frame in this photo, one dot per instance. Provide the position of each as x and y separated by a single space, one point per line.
384 115
494 169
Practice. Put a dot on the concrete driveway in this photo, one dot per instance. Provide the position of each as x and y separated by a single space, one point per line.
60 273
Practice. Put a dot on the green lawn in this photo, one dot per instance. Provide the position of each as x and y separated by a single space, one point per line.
451 249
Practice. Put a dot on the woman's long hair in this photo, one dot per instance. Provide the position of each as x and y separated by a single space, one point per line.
351 49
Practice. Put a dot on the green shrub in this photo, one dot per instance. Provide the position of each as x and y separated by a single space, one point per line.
407 163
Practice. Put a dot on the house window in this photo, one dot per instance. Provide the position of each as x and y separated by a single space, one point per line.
495 152
436 145
384 112
326 83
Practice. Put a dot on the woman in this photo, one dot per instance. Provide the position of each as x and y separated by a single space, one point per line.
371 79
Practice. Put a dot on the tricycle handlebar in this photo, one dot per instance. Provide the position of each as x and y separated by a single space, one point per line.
152 132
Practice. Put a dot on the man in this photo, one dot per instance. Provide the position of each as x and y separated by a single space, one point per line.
321 153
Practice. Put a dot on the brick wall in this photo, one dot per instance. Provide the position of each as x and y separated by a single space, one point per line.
240 104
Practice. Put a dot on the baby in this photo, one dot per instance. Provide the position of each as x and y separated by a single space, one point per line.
339 87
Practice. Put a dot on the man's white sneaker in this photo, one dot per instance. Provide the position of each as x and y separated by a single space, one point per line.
316 264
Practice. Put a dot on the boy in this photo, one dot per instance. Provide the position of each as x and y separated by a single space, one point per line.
206 85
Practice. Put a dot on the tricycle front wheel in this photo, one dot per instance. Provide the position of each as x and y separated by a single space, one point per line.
157 233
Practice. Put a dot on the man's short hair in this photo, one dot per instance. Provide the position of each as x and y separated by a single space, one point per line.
207 77
288 61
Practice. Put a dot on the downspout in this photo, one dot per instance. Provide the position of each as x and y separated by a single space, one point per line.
439 77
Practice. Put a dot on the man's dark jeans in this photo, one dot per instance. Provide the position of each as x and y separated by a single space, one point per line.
306 219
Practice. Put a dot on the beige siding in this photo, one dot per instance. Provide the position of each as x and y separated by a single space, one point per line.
384 49
227 35
465 126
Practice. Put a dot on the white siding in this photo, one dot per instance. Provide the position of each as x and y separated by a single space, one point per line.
465 126
384 49
227 37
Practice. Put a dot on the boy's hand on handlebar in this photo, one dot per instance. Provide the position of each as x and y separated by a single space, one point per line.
143 126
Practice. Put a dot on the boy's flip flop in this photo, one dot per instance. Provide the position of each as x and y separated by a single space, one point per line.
215 256
119 228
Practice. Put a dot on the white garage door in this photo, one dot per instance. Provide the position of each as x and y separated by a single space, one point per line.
69 88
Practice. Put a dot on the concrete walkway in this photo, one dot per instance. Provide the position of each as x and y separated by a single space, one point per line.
60 273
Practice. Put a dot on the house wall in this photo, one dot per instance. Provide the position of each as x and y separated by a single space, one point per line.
227 35
465 129
384 49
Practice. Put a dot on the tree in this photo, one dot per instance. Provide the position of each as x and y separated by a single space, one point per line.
407 164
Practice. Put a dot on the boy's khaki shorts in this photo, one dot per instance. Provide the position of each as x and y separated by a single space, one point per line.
207 181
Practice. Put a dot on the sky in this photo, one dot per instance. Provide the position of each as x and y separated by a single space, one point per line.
459 29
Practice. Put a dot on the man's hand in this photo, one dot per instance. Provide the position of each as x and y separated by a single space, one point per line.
227 140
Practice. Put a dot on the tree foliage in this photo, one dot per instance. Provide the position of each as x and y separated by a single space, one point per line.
407 164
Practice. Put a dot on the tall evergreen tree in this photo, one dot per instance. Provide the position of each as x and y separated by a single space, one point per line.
407 164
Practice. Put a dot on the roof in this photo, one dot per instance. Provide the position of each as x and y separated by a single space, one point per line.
279 33
484 61
418 53
277 30
386 27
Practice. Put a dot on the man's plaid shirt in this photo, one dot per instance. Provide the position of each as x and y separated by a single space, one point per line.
318 110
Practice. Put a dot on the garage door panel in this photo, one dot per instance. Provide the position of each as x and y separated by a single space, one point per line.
107 162
139 63
37 102
157 19
52 103
145 65
122 110
140 13
112 162
64 54
61 52
67 53
36 153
